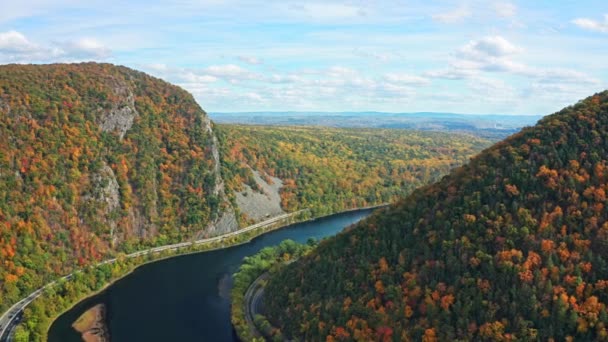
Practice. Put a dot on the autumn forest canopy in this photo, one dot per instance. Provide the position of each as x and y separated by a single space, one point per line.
511 246
502 242
99 160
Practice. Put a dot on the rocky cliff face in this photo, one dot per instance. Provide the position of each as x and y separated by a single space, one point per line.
96 158
122 112
226 220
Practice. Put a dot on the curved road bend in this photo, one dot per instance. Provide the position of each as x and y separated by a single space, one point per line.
11 318
253 300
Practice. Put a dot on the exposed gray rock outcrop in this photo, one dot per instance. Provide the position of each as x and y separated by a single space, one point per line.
120 117
219 181
226 221
225 224
105 191
261 205
110 192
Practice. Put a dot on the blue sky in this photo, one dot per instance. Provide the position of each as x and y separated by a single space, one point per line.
511 57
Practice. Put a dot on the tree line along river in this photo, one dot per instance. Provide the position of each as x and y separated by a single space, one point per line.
186 298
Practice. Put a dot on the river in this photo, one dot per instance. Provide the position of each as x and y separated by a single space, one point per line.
186 298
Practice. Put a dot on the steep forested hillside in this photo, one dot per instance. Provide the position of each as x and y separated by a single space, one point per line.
513 245
332 169
96 158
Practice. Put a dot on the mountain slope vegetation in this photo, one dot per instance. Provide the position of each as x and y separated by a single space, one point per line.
511 246
331 169
94 159
98 160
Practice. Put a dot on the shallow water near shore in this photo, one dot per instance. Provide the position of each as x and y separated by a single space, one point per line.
186 298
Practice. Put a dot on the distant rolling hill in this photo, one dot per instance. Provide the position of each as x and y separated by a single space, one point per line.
492 126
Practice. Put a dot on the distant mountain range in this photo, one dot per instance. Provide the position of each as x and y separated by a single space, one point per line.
493 126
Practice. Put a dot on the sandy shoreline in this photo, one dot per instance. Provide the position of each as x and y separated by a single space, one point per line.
92 325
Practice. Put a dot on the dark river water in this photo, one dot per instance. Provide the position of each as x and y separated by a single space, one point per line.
186 298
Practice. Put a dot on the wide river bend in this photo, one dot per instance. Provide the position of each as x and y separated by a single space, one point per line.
186 298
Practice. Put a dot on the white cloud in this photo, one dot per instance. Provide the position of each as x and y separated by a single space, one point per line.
451 73
250 60
505 9
303 89
490 46
231 72
454 16
592 25
86 48
254 96
15 42
406 79
494 54
290 78
491 53
341 72
563 76
198 78
15 47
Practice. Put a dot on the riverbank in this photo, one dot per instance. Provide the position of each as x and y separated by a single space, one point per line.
248 289
247 318
120 267
115 269
187 298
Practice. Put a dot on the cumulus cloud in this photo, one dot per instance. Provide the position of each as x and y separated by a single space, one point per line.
491 53
217 85
85 48
15 47
496 54
490 46
593 25
15 42
453 16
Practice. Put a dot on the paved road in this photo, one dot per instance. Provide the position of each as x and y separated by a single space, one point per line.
11 318
253 302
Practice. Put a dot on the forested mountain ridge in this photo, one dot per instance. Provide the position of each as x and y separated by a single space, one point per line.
511 246
96 158
328 169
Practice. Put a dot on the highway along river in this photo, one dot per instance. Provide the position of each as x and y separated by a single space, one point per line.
186 298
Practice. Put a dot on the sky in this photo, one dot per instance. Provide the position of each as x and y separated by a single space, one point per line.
504 57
